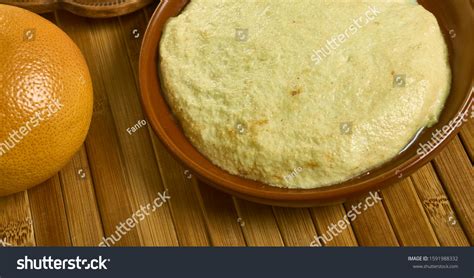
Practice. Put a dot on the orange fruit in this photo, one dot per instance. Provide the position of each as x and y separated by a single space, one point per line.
45 99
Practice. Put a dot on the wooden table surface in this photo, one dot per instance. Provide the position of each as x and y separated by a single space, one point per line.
115 173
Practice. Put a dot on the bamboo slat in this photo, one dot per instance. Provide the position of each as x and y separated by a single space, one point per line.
82 213
133 28
16 225
187 214
48 214
372 226
467 136
258 224
457 174
141 166
328 217
295 225
103 149
438 208
83 216
407 216
221 217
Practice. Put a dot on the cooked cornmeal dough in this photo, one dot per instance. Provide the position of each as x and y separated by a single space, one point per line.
307 93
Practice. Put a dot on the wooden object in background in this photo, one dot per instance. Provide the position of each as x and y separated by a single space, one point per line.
88 8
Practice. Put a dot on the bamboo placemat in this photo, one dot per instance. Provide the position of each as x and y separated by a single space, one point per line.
115 173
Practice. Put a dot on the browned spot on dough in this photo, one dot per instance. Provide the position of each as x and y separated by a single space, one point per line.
312 165
232 132
255 126
296 92
329 157
261 122
278 178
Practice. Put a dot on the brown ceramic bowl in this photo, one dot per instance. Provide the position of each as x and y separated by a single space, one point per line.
457 21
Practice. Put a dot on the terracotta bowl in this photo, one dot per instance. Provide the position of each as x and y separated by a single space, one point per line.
457 22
